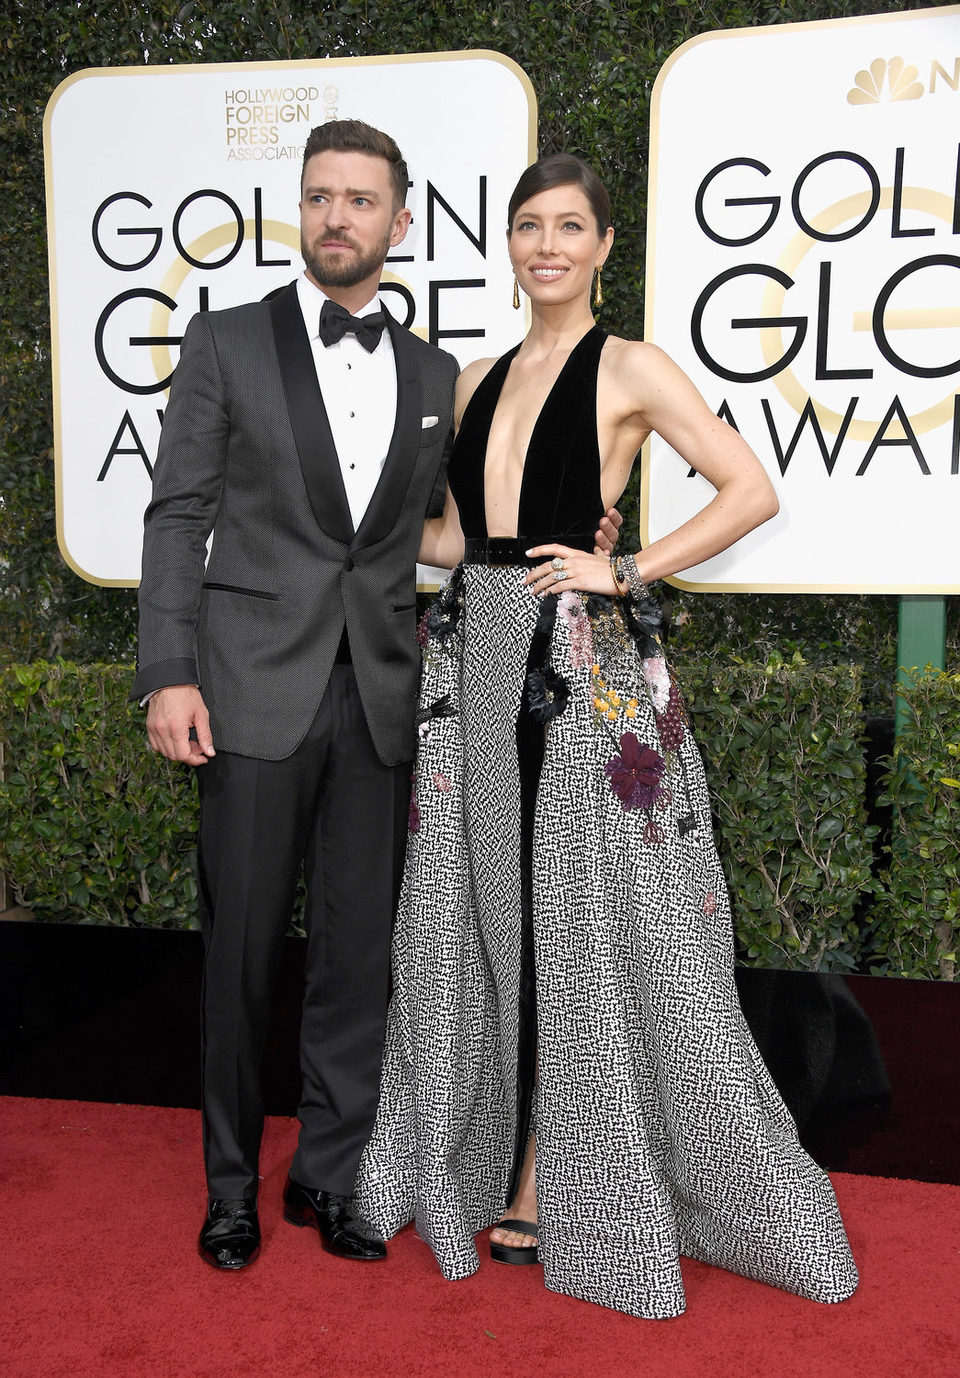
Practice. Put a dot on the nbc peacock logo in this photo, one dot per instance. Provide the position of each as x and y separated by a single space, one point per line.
899 79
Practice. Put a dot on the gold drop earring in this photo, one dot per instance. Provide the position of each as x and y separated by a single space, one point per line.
516 293
598 293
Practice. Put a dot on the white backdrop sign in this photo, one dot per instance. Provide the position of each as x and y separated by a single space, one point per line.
803 266
172 190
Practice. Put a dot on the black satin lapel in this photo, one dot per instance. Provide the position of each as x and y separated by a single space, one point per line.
308 417
386 504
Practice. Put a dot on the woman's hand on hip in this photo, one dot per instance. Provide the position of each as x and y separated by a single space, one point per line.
564 568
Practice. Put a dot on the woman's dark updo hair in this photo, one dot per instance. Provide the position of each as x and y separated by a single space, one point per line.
561 170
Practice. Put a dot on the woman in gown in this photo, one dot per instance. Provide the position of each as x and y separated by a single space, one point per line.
564 1038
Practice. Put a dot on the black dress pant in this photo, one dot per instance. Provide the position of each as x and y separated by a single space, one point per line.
335 811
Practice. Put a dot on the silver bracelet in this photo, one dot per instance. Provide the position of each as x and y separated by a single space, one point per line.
632 576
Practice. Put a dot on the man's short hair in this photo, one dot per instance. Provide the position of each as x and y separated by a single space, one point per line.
353 136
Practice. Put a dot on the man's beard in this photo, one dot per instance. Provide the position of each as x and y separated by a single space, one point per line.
337 270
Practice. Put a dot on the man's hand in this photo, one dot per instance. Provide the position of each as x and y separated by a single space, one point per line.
171 713
609 533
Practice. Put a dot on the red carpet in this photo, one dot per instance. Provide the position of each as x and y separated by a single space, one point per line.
101 1208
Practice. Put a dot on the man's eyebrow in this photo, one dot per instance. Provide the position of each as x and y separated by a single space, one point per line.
350 191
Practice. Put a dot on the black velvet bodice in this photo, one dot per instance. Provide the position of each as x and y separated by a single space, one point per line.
560 490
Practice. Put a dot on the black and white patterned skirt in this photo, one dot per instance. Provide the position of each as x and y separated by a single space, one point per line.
560 824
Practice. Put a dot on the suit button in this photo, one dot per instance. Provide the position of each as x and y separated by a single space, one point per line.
348 564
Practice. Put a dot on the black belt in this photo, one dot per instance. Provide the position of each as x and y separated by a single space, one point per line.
510 550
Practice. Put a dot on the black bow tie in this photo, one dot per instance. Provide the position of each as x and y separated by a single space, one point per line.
336 321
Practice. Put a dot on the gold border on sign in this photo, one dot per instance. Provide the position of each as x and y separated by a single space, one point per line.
690 586
178 69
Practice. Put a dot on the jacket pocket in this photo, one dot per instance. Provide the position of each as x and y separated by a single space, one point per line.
404 607
247 593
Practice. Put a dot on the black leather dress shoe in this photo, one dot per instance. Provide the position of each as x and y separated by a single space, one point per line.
342 1231
230 1237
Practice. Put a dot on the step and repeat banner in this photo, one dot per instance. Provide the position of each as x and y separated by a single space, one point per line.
172 190
803 266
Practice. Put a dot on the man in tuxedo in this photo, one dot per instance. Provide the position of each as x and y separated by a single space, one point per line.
307 434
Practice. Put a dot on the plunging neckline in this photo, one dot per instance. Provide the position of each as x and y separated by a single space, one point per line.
544 407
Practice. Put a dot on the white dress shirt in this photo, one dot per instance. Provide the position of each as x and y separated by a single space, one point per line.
359 389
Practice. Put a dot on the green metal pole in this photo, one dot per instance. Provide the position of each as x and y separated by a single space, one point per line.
922 640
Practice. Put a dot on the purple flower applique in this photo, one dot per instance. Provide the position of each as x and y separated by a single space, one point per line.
581 633
441 782
635 774
709 904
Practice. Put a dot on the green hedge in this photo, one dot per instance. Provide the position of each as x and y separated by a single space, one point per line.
916 923
784 756
95 829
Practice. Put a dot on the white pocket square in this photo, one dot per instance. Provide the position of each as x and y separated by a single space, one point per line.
426 421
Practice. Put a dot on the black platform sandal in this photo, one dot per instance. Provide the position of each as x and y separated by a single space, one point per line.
506 1253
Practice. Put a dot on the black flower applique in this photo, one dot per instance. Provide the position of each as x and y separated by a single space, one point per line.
440 708
644 621
599 603
547 694
441 622
442 618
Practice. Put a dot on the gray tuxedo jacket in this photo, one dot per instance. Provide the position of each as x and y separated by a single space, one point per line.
246 452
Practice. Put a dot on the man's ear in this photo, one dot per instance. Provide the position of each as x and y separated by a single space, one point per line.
401 224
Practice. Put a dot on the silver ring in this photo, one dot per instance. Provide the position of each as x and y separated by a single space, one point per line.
557 562
559 574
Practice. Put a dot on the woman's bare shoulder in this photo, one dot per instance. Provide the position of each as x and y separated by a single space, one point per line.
642 370
467 383
636 356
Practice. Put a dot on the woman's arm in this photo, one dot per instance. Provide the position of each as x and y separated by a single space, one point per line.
442 541
669 404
